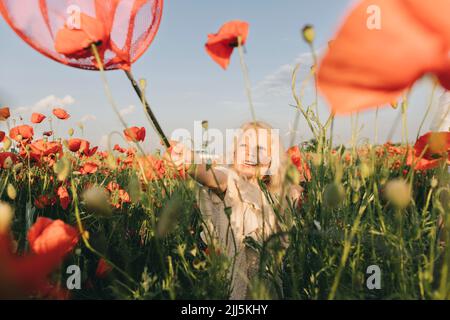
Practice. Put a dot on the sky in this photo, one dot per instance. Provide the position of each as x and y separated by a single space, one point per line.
185 85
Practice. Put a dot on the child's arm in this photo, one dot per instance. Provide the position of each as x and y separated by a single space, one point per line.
180 157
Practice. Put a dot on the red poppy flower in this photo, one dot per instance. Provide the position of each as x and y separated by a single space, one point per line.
89 168
91 152
7 155
24 131
153 167
112 186
2 135
430 151
61 114
22 276
296 158
42 201
37 117
64 198
75 42
119 149
103 269
80 145
52 236
437 144
74 144
368 66
42 148
134 134
4 113
220 46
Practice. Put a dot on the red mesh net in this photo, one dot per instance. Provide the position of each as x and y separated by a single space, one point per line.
64 30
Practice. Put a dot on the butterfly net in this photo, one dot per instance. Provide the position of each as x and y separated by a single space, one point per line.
64 30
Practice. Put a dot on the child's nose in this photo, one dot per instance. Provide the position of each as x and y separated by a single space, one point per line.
252 154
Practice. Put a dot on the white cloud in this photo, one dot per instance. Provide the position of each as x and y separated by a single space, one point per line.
103 142
278 83
88 117
46 104
127 111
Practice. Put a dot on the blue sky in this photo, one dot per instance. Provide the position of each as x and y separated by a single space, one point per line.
184 85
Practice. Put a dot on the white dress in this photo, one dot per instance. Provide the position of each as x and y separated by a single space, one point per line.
251 215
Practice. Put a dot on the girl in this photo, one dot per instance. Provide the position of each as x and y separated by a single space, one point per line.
232 202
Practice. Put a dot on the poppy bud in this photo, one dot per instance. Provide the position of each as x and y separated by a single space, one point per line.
6 216
6 144
97 202
134 188
293 175
11 191
366 170
7 163
309 33
71 132
398 193
333 195
111 162
316 159
63 168
434 182
143 84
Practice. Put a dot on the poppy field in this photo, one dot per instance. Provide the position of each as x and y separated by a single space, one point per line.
372 222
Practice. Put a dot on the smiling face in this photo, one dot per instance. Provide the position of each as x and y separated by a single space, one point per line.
253 153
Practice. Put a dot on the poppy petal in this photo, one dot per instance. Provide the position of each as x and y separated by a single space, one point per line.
357 71
220 46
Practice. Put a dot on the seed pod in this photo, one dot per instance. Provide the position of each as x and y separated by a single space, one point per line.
96 201
11 191
309 34
63 168
134 188
7 163
7 143
293 175
333 195
398 193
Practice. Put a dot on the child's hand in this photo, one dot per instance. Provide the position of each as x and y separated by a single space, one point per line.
178 156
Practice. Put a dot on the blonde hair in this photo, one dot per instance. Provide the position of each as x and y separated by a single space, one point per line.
277 169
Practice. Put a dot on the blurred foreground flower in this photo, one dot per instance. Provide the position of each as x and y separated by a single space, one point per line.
398 192
27 275
430 151
412 37
97 202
